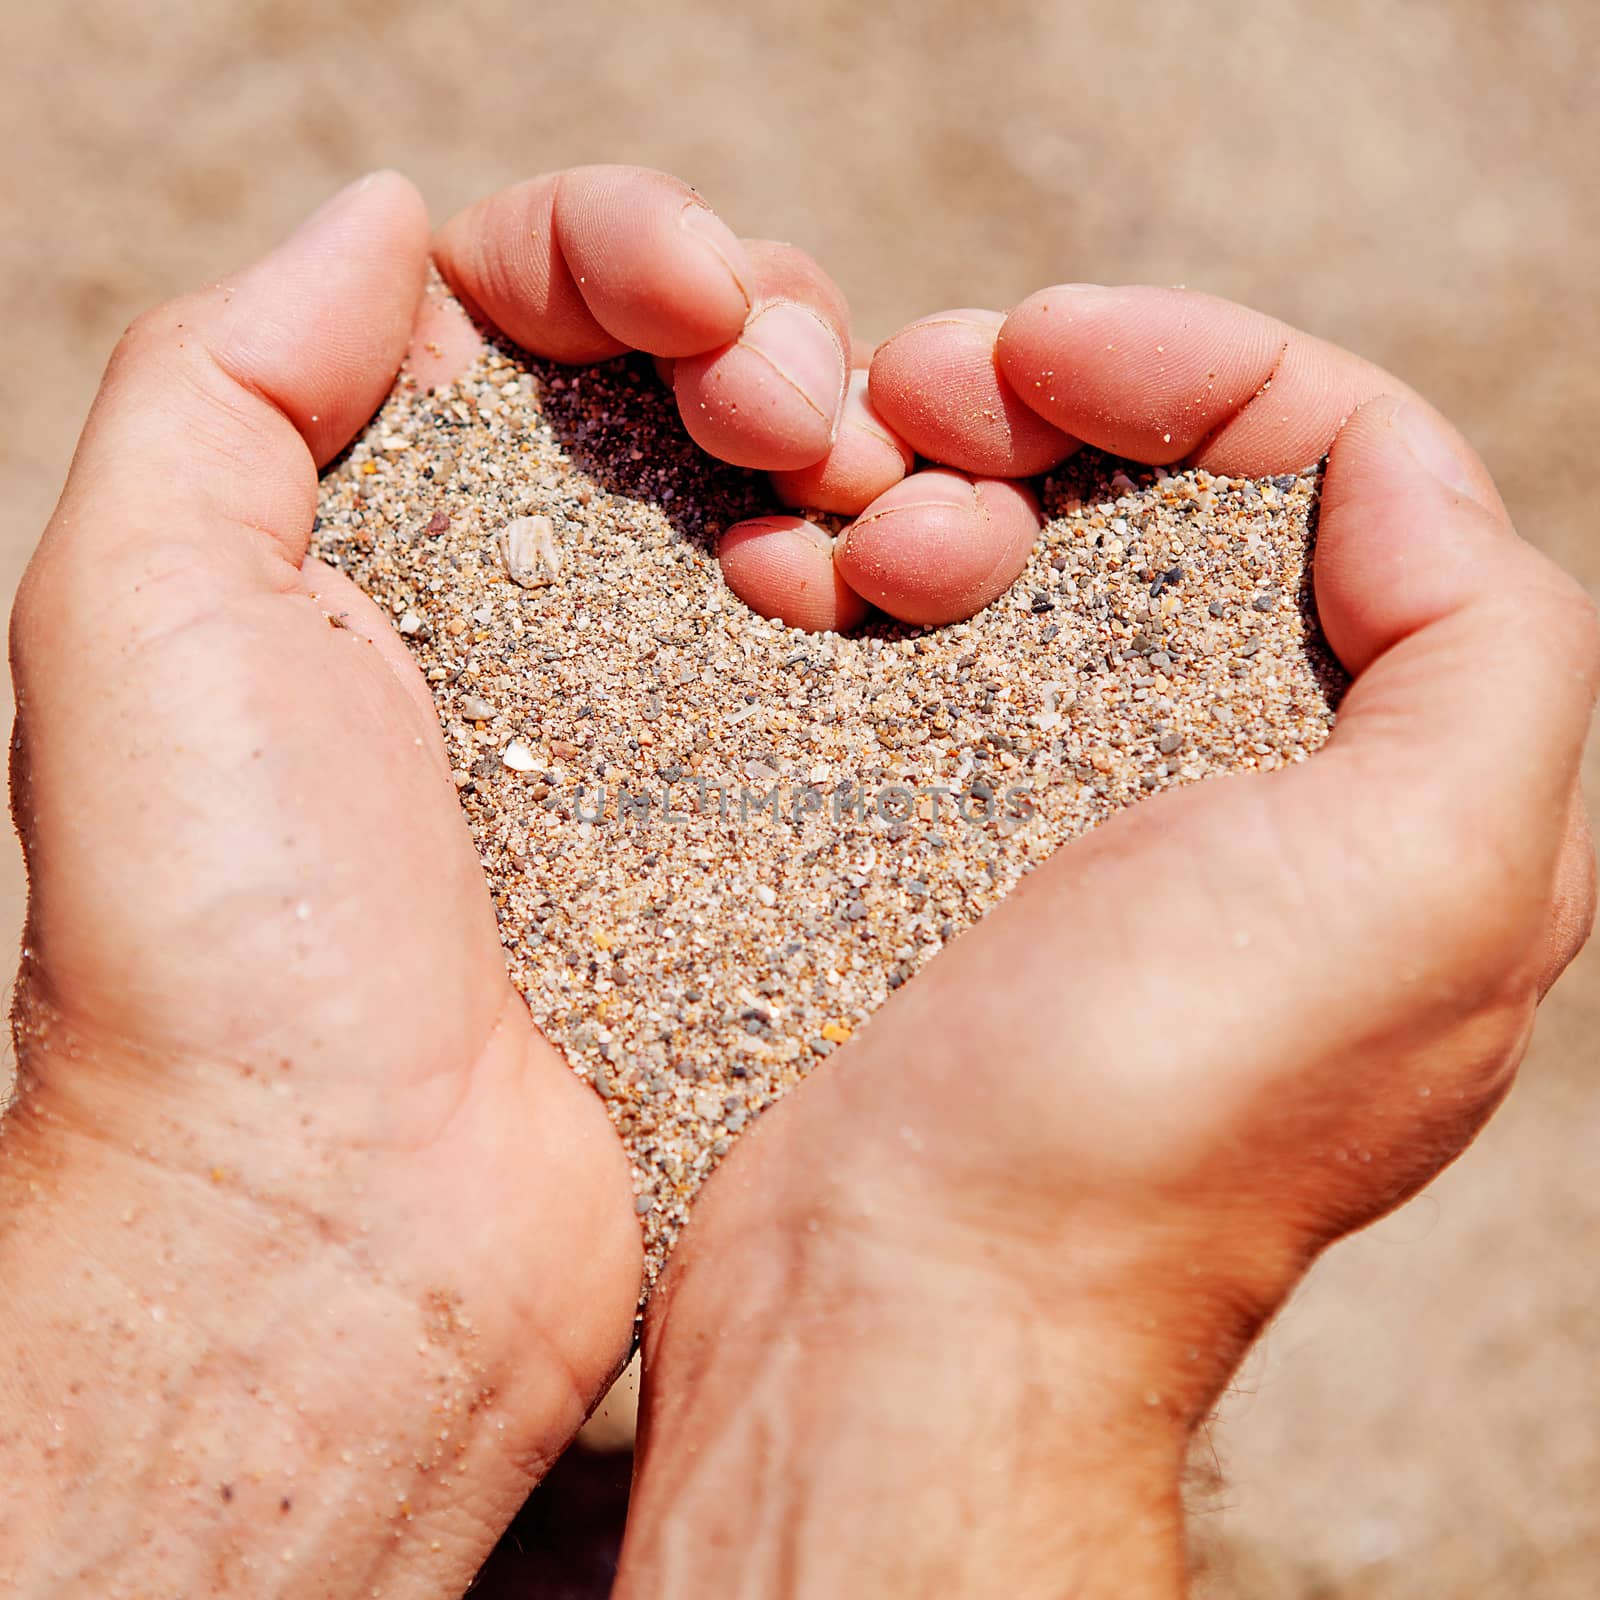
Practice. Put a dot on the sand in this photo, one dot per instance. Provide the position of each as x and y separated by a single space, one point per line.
717 844
1400 1443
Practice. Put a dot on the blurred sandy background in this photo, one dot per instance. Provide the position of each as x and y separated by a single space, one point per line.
1416 182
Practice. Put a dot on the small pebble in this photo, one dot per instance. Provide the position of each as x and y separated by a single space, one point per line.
528 547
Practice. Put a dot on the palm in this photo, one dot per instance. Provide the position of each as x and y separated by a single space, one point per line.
1252 1065
279 874
256 920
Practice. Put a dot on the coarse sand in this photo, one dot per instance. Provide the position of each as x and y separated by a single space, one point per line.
716 844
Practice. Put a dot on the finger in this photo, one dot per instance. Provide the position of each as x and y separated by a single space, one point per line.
172 571
867 459
782 567
937 384
771 397
444 341
939 546
198 463
503 258
581 265
1164 375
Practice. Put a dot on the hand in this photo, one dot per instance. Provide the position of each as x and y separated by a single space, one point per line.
751 335
946 1318
315 1252
754 340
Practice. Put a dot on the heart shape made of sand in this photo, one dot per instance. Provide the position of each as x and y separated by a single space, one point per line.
716 844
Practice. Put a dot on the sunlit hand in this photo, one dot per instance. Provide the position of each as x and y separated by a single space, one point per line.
315 1253
944 1321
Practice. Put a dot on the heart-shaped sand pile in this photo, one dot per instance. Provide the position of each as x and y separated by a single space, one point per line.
716 844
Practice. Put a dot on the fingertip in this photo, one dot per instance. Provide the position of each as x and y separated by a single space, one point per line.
733 287
867 459
1404 527
1164 375
356 266
659 270
276 368
444 342
939 546
771 399
503 260
783 568
938 385
392 194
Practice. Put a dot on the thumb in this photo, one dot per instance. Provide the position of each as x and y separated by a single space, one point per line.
197 467
194 484
162 637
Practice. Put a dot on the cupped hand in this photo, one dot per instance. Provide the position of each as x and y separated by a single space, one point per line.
957 1303
289 1164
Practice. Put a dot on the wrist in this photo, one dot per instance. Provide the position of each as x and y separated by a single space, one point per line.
909 1421
1159 1293
303 1362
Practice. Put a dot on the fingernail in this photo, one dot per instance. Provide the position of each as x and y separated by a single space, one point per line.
712 231
931 490
820 537
1076 298
1434 447
803 349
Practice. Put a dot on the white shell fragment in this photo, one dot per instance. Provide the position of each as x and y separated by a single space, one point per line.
518 757
528 547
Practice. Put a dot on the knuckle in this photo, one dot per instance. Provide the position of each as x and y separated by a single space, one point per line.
1559 612
1582 620
151 336
1468 914
1577 911
1572 910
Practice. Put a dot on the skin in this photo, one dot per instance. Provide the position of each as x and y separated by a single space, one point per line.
314 1257
315 1252
261 970
945 1322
